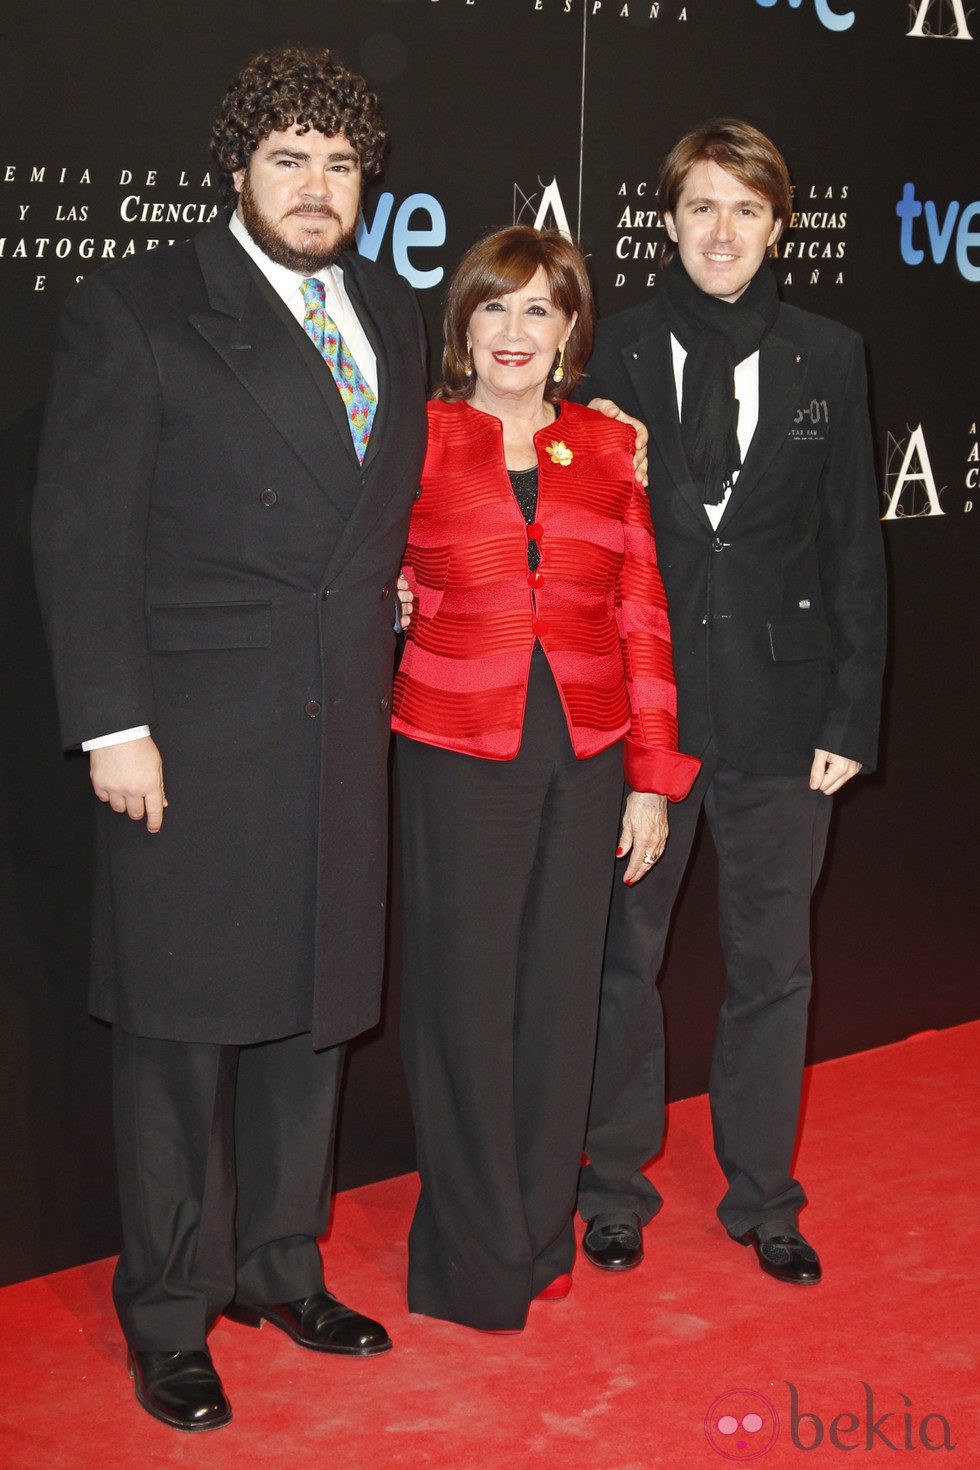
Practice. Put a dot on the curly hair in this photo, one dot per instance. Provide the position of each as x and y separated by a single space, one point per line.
504 262
308 89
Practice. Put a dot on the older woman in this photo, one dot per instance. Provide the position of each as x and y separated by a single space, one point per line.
537 664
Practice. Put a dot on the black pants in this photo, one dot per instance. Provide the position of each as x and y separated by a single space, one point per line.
507 874
225 1158
770 833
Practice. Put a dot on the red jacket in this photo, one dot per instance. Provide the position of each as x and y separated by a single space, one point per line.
596 602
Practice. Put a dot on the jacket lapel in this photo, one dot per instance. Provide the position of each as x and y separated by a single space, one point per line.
280 369
649 366
399 374
782 368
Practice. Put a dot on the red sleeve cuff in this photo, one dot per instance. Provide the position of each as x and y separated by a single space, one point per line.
667 772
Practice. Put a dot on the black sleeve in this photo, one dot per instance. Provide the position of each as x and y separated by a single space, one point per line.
91 506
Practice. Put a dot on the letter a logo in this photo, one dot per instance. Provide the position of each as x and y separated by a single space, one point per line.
915 469
551 200
957 31
550 204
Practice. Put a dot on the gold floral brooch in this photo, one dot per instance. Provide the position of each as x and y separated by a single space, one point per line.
559 453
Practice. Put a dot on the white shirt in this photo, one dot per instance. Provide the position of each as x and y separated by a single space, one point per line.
288 285
747 396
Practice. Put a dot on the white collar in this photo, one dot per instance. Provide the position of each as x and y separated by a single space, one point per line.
285 282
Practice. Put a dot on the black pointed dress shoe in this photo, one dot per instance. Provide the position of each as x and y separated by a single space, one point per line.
614 1242
784 1254
319 1322
180 1389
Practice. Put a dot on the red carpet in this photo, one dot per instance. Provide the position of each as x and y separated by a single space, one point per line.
622 1374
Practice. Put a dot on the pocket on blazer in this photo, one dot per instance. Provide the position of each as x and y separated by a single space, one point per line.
795 639
199 627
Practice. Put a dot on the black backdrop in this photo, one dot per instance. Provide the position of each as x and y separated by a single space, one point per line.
544 111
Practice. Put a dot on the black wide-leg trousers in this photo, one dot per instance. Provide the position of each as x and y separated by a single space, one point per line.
507 877
225 1158
770 834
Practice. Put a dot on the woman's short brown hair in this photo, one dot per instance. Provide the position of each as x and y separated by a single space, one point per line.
503 262
740 150
310 89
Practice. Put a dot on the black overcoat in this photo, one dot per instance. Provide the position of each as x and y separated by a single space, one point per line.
778 617
213 561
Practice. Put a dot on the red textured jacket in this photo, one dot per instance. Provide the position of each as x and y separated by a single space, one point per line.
596 602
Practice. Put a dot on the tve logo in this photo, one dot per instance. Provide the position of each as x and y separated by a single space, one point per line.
419 224
940 233
833 20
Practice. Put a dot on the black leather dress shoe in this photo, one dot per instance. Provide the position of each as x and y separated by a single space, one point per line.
785 1255
614 1242
320 1322
181 1389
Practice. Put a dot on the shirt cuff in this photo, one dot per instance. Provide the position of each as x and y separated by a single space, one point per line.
119 737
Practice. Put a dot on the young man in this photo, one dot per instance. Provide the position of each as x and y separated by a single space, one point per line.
233 440
764 505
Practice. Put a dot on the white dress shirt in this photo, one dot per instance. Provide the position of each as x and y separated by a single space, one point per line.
747 396
288 285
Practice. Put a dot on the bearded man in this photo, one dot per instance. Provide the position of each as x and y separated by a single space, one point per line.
233 440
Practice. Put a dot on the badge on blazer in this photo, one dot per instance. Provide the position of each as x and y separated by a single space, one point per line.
559 453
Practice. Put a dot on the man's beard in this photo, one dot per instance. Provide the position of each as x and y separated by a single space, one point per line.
269 238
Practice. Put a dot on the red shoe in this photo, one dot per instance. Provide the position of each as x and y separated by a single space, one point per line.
557 1289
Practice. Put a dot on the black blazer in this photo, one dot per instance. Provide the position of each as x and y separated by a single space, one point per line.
778 617
213 561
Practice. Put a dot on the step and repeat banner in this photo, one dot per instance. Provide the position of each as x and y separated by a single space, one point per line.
552 112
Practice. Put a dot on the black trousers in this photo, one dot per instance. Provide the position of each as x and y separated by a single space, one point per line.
770 833
225 1158
507 874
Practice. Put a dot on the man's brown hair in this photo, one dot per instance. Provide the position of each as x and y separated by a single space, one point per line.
740 150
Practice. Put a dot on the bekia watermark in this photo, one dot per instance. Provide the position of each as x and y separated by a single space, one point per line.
896 1429
743 1425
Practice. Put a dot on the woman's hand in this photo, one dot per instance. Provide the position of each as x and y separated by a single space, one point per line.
644 834
613 411
406 602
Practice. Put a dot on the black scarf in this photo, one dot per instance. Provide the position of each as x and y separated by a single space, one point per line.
715 335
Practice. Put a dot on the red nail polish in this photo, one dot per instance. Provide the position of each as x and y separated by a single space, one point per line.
619 852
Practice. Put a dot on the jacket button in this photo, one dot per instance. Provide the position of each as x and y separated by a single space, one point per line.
539 628
385 701
312 708
535 531
719 545
325 593
534 579
386 590
269 497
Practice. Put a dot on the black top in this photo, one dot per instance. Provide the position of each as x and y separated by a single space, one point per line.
524 484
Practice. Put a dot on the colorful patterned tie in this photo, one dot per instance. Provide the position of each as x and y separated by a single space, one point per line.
359 400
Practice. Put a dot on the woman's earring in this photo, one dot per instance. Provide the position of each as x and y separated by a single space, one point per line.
559 371
468 369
